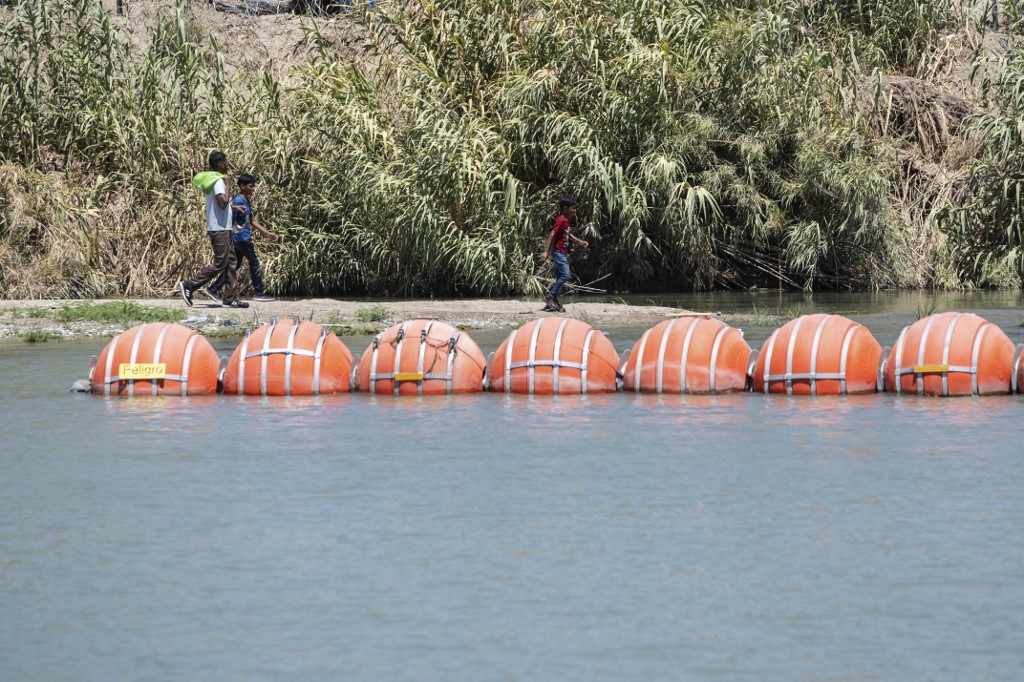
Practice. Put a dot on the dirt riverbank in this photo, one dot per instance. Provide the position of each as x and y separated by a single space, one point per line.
21 317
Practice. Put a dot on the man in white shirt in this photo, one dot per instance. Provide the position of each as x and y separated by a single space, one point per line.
214 184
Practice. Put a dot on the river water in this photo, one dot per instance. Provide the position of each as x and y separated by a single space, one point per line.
493 537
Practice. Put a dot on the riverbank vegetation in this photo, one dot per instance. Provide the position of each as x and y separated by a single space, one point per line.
717 144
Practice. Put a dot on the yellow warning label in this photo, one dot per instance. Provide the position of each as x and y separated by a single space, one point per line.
141 370
409 376
931 369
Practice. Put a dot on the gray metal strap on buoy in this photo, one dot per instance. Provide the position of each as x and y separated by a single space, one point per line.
317 355
241 361
156 353
107 379
684 356
509 345
847 340
660 379
185 363
723 329
898 353
945 356
640 350
974 357
133 356
449 376
424 334
400 340
263 355
789 355
769 350
583 364
815 345
533 355
555 358
920 351
373 364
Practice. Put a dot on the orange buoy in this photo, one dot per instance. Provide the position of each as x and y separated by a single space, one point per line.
421 357
818 355
554 355
950 354
156 359
687 355
289 357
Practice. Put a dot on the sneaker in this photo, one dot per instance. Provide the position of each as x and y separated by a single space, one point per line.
263 298
236 304
186 293
213 294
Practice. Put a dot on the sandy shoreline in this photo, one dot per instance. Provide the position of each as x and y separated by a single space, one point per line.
18 317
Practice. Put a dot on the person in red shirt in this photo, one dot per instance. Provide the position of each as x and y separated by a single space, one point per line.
557 247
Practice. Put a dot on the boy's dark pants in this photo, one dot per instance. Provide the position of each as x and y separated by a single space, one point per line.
246 250
224 263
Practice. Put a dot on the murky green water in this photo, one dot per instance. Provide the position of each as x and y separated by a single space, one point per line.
741 537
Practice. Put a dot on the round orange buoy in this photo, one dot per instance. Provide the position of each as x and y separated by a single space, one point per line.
290 357
818 355
950 354
687 355
421 357
554 355
156 359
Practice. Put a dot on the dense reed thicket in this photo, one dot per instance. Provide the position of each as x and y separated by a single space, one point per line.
787 143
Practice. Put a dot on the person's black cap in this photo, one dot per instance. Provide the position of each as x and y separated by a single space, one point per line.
567 200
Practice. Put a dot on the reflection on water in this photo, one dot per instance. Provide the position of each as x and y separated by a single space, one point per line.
501 536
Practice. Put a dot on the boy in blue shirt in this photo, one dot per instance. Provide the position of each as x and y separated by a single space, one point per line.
241 236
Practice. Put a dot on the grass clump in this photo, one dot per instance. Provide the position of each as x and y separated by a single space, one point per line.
763 318
925 310
38 336
332 319
335 322
114 312
35 312
582 315
354 330
222 332
375 313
